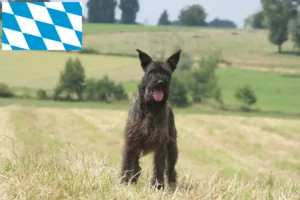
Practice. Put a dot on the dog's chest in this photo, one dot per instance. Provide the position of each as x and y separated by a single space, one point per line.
155 128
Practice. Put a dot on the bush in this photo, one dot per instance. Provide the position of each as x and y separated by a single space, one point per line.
103 90
246 95
185 62
90 90
71 80
119 92
41 94
203 81
89 51
5 90
178 93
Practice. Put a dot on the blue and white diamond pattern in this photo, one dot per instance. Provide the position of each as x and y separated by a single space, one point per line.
41 26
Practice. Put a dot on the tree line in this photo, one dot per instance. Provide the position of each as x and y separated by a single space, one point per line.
103 11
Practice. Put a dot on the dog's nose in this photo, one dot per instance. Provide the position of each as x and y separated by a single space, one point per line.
160 82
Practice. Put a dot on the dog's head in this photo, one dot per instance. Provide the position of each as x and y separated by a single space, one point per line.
157 77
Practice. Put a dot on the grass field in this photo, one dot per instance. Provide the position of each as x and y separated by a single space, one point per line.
71 150
41 69
109 28
240 48
124 105
275 91
252 148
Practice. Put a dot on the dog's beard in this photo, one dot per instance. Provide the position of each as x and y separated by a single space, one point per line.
148 95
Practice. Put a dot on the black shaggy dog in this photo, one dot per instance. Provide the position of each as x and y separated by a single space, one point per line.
150 125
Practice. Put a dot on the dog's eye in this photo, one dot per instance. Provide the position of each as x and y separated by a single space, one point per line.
151 72
166 73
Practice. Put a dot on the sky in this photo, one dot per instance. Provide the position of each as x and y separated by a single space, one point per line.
150 10
235 10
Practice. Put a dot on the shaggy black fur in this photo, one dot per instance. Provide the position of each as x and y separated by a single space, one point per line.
150 125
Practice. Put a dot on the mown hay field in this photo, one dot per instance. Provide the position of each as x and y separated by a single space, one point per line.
254 158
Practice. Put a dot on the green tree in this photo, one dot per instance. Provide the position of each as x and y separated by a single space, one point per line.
203 81
294 29
221 23
129 10
164 19
193 16
5 90
246 95
256 20
71 79
41 94
278 14
90 90
101 11
119 92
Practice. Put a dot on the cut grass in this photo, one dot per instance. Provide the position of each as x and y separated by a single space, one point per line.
77 177
63 104
64 174
195 109
90 130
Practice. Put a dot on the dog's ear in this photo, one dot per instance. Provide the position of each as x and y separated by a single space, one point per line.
144 58
173 60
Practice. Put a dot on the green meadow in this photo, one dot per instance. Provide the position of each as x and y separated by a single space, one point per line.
275 91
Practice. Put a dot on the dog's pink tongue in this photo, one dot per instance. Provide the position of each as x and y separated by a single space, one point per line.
158 94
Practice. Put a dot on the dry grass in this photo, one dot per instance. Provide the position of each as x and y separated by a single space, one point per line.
77 177
256 158
240 48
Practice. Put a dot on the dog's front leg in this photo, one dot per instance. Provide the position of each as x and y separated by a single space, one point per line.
130 154
160 156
